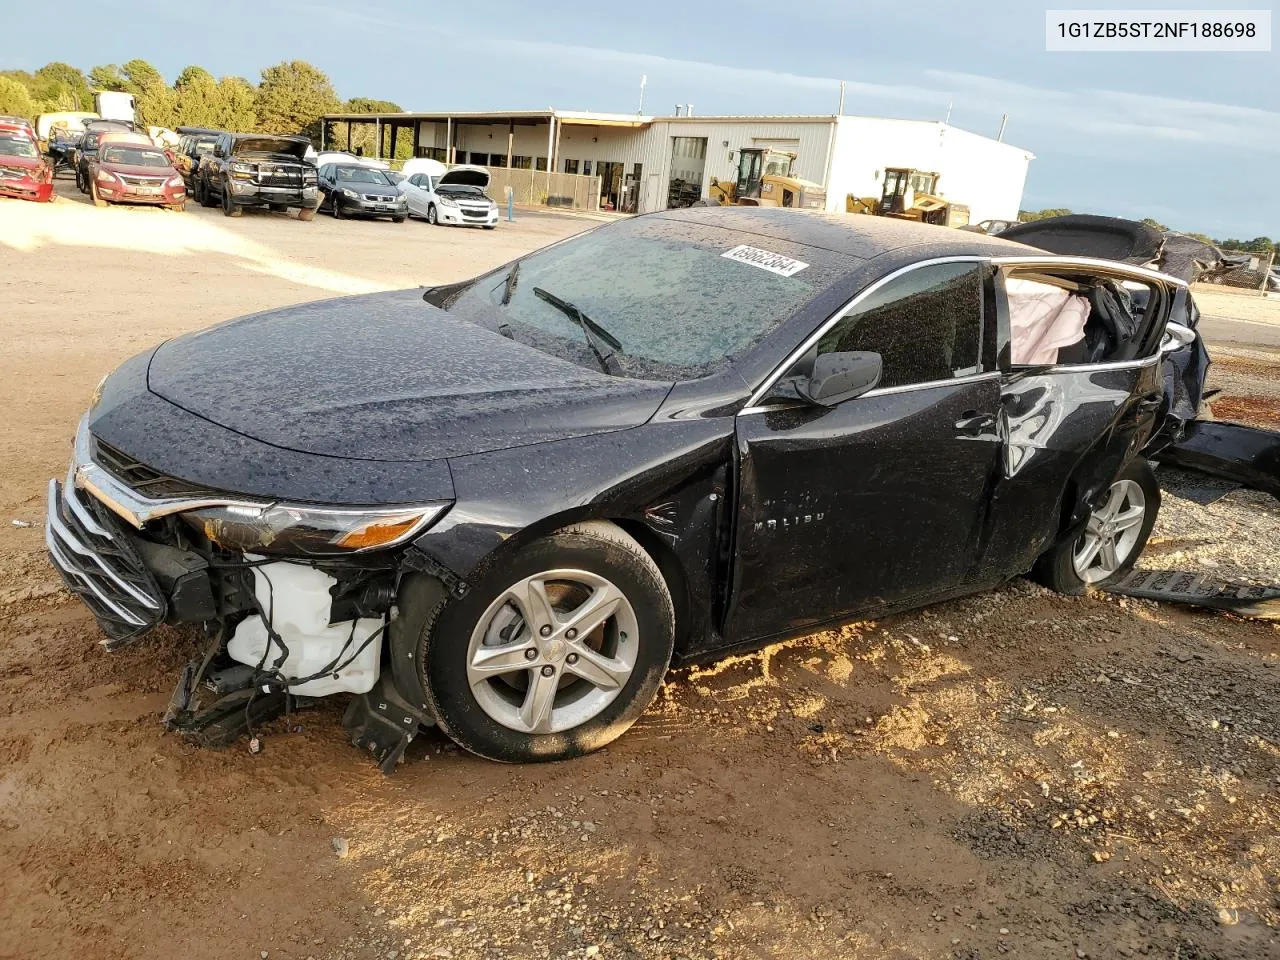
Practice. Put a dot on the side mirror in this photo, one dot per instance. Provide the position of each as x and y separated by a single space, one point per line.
1176 336
840 376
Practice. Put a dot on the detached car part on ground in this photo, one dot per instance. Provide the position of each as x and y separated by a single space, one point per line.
258 170
24 174
508 509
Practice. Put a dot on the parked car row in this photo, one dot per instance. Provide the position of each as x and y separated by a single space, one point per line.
116 161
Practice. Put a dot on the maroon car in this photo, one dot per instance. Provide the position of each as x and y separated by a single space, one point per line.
128 171
23 172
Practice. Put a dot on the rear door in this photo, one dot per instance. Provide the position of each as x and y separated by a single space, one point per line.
873 504
1070 416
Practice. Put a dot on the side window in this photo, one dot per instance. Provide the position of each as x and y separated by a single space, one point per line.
926 325
1068 317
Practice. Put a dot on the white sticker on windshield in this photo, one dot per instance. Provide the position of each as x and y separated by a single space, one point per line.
765 260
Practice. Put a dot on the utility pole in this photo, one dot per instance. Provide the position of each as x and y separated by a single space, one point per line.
644 79
840 110
1003 120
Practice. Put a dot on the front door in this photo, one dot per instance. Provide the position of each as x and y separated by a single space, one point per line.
874 504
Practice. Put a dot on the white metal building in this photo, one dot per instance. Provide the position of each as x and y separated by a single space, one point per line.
637 158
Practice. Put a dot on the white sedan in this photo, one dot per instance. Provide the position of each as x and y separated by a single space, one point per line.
456 197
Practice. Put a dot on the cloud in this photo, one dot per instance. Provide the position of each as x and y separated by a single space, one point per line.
1139 119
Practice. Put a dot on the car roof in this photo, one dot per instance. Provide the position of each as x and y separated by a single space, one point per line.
269 136
118 139
852 234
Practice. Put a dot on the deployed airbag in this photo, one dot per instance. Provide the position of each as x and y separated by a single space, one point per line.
1043 319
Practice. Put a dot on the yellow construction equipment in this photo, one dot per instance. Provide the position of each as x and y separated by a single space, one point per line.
765 180
910 195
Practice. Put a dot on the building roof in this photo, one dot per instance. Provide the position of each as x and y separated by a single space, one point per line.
632 120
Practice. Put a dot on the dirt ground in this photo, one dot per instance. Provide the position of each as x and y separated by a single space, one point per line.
1016 773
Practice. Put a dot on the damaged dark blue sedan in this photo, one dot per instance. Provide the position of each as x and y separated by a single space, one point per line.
507 510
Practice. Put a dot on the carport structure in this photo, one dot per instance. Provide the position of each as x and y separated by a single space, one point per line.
452 137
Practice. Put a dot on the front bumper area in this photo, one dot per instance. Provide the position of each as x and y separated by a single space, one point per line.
27 189
374 208
247 193
97 560
458 216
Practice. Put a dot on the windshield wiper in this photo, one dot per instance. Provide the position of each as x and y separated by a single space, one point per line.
592 331
512 278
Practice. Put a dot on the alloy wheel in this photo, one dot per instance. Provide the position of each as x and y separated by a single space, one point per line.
552 651
1112 532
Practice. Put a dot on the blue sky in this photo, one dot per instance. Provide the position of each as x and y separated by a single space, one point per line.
1191 139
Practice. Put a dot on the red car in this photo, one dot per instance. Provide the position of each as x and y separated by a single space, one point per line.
10 125
24 174
131 172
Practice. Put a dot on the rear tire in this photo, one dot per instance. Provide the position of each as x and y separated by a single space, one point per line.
1117 530
547 700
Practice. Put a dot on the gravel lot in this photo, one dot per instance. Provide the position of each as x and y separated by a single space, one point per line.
1016 773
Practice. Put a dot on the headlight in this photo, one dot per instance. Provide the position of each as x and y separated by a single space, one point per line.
294 530
448 201
104 177
242 168
351 194
174 182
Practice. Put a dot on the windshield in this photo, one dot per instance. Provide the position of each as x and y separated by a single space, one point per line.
17 148
361 175
134 156
682 299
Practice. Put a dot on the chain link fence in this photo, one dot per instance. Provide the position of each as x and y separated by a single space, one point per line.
566 191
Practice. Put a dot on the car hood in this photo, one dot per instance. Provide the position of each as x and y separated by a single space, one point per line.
24 163
256 148
388 377
134 170
468 176
373 189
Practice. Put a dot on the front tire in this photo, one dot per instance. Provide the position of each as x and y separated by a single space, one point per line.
95 196
553 653
306 213
397 219
432 217
229 207
1113 538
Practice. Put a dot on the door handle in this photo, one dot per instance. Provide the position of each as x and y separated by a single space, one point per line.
973 424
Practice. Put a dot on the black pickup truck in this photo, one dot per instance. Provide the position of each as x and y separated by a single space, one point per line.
258 170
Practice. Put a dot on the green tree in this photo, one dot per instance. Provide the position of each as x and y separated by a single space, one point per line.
107 77
1029 216
237 106
293 96
62 86
154 101
197 99
15 100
